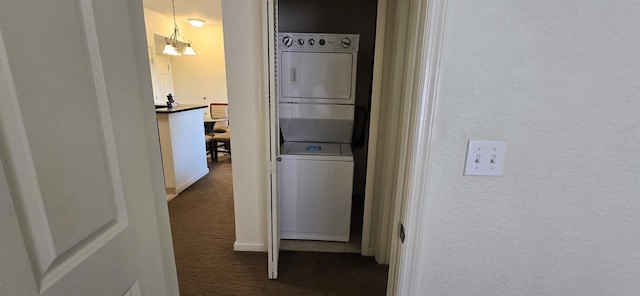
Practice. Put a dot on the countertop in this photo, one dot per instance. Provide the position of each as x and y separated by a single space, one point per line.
180 108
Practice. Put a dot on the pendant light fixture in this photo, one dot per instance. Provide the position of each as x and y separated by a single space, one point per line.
173 44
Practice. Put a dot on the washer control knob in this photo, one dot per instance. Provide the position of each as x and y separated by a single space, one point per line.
288 41
321 42
301 41
311 41
346 42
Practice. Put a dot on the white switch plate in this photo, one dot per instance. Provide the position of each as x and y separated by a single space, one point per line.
485 158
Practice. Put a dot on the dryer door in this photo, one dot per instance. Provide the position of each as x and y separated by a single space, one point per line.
318 77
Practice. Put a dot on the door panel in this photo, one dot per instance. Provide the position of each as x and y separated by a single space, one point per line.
273 205
85 222
316 199
313 75
165 81
64 221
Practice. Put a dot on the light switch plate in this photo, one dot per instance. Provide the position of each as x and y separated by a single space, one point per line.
485 158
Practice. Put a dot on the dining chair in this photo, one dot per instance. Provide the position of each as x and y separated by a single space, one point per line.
220 113
221 137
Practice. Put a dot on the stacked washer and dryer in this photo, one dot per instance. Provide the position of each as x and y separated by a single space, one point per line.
317 79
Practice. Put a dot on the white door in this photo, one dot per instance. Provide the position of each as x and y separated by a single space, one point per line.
273 204
161 78
79 179
154 72
164 83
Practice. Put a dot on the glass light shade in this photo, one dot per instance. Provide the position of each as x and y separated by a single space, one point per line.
170 50
188 50
196 23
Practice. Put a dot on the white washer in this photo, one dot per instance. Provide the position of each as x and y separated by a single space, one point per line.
315 194
316 178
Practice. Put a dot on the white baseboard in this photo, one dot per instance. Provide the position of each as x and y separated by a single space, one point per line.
249 247
192 180
371 252
315 236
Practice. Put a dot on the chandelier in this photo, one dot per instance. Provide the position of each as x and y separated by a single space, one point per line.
173 44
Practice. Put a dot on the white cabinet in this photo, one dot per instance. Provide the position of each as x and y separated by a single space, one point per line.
184 155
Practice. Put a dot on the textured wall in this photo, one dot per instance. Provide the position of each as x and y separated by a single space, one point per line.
560 82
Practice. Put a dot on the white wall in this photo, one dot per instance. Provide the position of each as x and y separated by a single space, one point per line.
199 76
244 59
560 82
184 158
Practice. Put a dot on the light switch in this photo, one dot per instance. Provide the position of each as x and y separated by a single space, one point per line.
485 158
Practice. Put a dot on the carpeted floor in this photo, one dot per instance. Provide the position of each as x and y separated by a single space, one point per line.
203 229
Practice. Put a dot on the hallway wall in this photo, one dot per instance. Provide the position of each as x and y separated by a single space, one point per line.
244 59
560 82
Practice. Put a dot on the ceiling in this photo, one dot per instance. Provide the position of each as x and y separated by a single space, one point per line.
208 10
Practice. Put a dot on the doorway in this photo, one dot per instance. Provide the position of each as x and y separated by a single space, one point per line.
196 79
250 200
347 17
193 80
247 80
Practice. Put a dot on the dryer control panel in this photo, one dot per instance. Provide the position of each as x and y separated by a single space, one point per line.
318 42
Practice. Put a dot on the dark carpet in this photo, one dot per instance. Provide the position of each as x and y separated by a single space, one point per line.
203 229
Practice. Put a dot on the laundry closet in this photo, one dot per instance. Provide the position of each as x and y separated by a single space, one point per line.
325 64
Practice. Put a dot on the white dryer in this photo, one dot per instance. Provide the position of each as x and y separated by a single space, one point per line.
318 68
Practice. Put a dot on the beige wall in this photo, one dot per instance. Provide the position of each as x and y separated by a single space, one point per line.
194 77
243 32
156 24
203 75
560 82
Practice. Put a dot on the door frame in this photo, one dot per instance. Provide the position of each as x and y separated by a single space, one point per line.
402 45
420 25
270 15
386 166
136 15
423 50
410 59
368 248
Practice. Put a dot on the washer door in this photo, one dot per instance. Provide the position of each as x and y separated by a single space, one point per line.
315 199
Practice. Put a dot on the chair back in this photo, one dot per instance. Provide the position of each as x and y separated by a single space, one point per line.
218 111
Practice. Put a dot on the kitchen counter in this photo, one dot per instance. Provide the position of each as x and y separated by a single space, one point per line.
182 144
180 108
